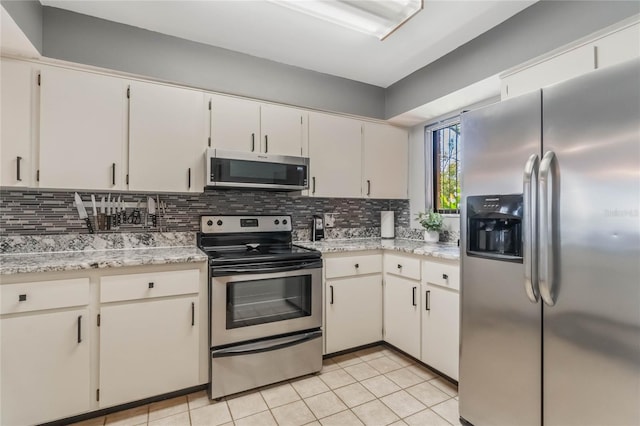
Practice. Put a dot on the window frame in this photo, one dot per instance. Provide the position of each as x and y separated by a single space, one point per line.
435 167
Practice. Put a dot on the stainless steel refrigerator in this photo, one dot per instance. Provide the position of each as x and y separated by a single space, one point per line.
550 297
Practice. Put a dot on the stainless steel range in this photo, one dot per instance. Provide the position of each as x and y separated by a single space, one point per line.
265 302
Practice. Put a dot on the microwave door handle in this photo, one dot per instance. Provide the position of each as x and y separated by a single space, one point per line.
548 227
266 345
529 237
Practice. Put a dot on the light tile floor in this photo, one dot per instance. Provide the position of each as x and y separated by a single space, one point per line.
374 387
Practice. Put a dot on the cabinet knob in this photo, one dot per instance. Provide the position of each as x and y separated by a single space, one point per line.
445 276
399 266
151 285
22 297
357 265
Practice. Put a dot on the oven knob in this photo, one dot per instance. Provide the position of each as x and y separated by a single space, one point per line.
284 221
277 222
219 223
209 222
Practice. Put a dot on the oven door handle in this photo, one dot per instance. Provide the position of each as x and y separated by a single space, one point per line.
266 345
234 270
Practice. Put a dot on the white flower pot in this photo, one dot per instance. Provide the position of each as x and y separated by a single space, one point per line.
431 236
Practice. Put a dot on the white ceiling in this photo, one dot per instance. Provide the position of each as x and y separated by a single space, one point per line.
266 30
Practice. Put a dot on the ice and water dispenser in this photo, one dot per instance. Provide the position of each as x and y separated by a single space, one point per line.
494 227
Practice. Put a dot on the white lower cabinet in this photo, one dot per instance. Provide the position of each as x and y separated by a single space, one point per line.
353 301
402 314
147 348
149 335
440 329
441 316
45 354
75 342
354 312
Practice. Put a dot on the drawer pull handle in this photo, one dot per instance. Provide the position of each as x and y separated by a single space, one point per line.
427 296
399 266
193 314
414 296
445 276
331 288
151 285
80 329
357 265
22 298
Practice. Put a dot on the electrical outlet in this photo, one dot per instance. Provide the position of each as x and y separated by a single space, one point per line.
329 220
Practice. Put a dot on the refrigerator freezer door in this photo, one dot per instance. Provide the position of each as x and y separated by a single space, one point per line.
500 357
591 350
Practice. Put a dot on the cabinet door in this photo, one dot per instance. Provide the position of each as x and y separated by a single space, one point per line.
385 161
618 47
282 130
335 152
441 329
554 70
234 124
147 348
167 138
17 81
354 312
45 367
402 314
82 122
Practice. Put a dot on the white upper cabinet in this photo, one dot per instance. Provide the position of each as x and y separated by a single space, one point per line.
384 161
167 138
553 70
248 126
234 124
606 50
17 83
82 130
618 47
282 130
335 151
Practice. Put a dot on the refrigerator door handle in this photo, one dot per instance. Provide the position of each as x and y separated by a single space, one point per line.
548 207
529 237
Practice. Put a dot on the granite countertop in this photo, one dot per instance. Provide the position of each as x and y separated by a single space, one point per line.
77 252
76 260
439 250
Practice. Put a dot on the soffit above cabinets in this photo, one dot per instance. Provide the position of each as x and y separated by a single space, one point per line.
267 30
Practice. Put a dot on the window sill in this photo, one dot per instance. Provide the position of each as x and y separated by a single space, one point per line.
451 215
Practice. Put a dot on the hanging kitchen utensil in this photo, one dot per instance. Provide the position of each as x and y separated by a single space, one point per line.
151 208
135 217
82 212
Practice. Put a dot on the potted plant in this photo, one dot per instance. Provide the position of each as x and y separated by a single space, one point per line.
432 223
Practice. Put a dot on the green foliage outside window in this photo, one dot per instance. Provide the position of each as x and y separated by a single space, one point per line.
446 169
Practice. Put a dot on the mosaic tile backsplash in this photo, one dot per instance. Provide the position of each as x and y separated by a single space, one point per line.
38 212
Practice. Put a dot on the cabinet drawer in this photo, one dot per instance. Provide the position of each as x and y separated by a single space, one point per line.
402 266
149 285
36 296
353 265
444 275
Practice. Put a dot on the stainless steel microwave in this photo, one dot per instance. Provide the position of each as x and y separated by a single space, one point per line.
234 169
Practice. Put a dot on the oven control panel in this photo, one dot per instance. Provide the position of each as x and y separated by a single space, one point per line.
224 224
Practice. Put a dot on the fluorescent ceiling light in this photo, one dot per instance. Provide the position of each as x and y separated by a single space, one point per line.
374 17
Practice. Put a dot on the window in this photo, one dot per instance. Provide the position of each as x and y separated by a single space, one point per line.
446 168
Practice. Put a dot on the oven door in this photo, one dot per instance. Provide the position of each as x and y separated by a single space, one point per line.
260 300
